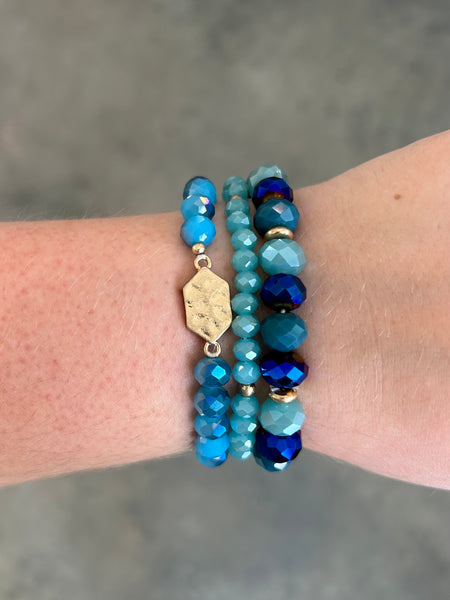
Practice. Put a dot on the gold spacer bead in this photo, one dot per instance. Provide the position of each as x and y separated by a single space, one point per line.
283 396
237 196
279 232
247 390
198 248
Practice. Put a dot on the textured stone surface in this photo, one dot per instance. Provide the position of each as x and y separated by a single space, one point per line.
98 122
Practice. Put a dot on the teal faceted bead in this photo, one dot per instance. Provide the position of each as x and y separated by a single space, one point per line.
247 281
281 419
211 427
243 425
244 239
244 260
238 220
245 326
276 212
247 349
234 186
263 172
211 462
283 332
245 406
195 205
246 372
282 256
212 372
201 186
241 446
198 230
244 304
212 448
211 401
235 205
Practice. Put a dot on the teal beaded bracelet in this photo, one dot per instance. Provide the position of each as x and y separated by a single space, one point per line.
208 313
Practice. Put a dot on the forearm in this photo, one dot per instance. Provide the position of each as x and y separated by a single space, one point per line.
97 362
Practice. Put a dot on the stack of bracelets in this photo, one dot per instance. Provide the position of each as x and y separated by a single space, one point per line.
270 432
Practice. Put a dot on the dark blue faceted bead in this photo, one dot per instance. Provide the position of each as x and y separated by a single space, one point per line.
272 187
269 465
283 370
278 448
283 291
276 212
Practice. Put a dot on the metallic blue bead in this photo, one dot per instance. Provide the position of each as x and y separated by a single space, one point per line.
246 372
211 427
282 256
212 448
283 332
243 425
245 326
211 462
247 349
241 446
244 239
212 372
201 186
283 370
269 465
211 401
278 448
238 220
247 281
196 205
276 213
235 205
244 260
234 186
263 172
245 406
244 304
269 188
198 230
283 291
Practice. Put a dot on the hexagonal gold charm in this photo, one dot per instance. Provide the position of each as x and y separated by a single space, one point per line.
207 304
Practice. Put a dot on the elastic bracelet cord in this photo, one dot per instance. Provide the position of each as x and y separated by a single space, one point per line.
208 314
278 437
245 325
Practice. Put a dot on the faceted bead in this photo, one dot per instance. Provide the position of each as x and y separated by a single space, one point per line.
281 419
198 230
234 186
244 260
211 462
238 220
283 332
283 370
244 304
211 401
212 448
246 372
283 291
247 349
244 239
276 213
241 446
201 186
212 372
211 427
269 465
245 406
245 326
282 256
243 425
271 187
196 205
247 281
278 448
235 205
263 172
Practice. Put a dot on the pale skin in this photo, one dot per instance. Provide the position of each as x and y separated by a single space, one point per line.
97 363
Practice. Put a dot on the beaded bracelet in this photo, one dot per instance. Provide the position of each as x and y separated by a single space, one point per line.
208 313
278 438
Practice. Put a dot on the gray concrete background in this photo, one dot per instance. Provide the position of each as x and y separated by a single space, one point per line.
107 107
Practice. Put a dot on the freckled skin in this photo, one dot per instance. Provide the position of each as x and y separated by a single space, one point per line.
97 363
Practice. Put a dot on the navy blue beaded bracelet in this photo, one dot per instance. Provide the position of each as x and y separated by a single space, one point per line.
208 313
